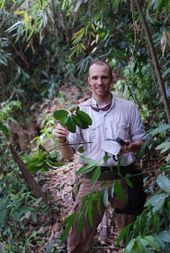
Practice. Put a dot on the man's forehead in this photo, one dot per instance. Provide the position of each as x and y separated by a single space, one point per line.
98 67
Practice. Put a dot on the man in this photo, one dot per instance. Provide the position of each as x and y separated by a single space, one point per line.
112 118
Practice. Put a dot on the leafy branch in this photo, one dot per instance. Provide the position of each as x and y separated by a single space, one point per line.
72 119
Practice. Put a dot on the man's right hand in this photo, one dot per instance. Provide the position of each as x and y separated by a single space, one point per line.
61 133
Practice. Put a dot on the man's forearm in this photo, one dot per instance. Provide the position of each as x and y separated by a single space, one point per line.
67 150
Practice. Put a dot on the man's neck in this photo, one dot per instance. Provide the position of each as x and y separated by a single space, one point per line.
103 100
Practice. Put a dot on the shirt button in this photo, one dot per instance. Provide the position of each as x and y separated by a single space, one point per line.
106 128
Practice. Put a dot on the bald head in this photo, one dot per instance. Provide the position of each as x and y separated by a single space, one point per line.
101 63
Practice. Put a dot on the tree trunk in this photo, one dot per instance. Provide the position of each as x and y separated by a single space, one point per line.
32 184
154 60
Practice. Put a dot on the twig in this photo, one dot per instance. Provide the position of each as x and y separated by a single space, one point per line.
69 144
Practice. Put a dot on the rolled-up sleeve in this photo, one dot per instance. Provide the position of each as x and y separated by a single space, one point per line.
74 139
136 125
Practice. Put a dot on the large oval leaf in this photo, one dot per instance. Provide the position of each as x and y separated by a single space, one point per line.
84 117
71 125
61 116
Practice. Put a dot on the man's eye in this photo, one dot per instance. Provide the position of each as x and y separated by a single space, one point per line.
105 77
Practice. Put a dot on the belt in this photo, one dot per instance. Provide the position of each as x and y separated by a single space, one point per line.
110 173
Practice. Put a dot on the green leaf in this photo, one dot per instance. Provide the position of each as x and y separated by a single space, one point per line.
96 174
60 114
161 4
142 247
90 213
77 121
164 183
112 190
168 159
3 211
80 220
81 149
152 241
130 246
115 4
165 167
4 129
84 117
119 190
106 157
163 147
123 234
68 222
128 181
71 125
160 129
106 198
55 164
87 168
165 236
156 201
78 4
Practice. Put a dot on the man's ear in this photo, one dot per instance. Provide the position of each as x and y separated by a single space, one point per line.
88 81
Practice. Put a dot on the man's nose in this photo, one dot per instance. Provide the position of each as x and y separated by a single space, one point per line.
99 80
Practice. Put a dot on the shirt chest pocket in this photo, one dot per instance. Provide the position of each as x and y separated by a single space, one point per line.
92 133
120 130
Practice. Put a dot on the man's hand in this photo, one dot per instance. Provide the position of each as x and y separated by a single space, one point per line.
61 133
125 148
131 146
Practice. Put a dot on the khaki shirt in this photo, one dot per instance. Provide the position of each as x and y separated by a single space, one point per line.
121 120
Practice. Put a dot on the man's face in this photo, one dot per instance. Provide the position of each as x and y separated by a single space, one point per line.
99 80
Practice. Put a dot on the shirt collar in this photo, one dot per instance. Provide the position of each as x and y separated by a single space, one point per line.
95 104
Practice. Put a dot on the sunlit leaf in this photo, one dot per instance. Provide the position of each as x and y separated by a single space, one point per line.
106 198
163 147
160 129
156 201
164 183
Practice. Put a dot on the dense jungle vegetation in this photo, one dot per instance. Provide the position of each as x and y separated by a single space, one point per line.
47 46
